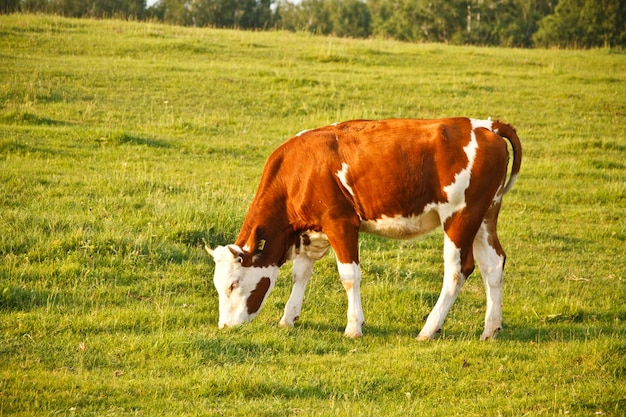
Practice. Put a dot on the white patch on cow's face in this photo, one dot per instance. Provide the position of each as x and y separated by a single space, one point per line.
242 290
342 174
456 190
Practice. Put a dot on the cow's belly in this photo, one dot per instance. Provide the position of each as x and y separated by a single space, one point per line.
399 227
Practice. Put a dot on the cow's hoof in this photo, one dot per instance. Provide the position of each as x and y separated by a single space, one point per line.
287 323
490 335
353 330
422 338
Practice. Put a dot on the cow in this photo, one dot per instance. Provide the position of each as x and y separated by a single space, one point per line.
398 178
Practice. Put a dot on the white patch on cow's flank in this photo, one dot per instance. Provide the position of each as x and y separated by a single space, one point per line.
303 132
470 150
399 227
456 190
342 175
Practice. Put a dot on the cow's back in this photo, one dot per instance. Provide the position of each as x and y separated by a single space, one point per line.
375 168
395 166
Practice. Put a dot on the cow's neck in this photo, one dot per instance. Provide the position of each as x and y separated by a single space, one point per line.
266 235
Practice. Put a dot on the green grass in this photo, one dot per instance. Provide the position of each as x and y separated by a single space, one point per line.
124 145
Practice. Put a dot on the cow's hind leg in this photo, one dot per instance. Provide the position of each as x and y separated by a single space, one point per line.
458 265
302 271
490 258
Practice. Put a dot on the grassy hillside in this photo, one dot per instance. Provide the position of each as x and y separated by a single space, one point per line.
124 145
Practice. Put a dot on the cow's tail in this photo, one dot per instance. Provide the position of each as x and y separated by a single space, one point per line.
509 133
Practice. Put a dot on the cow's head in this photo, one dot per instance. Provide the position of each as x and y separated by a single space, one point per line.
242 287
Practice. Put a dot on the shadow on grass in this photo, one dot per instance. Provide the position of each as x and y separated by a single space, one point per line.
14 298
123 138
240 345
580 327
25 118
14 146
251 343
276 390
372 331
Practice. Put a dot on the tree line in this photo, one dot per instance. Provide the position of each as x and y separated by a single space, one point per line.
519 23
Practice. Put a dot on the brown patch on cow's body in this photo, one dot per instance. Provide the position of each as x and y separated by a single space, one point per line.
258 295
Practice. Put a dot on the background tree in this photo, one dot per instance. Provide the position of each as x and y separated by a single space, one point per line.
446 21
117 8
584 23
399 19
519 23
9 6
349 18
316 16
177 12
503 22
530 13
36 6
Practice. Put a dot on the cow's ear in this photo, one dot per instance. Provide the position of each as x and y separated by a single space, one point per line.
259 250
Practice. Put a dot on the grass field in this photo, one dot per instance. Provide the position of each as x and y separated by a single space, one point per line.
124 145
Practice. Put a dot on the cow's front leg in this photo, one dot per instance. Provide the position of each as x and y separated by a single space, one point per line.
453 280
302 271
344 237
350 275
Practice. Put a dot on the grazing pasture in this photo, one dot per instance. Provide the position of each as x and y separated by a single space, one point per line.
123 146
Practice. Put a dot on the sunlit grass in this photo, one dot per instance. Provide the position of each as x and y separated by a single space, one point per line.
123 146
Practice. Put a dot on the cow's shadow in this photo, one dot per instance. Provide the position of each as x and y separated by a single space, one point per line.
563 328
369 330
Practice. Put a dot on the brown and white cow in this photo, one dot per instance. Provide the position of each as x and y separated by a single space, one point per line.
399 178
